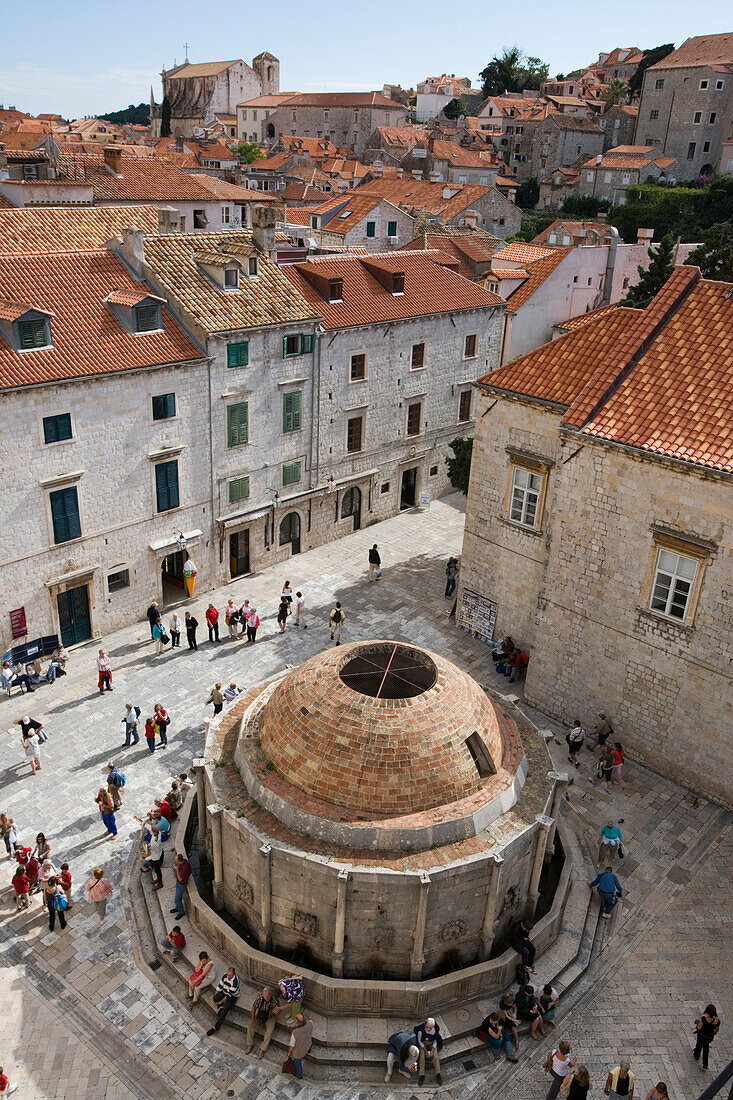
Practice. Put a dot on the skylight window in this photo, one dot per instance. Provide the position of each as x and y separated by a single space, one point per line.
346 214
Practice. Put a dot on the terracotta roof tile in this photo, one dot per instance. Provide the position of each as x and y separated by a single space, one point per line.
704 49
458 250
148 179
62 228
204 68
583 319
424 195
521 252
232 192
403 136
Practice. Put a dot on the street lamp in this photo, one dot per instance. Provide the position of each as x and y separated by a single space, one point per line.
182 544
277 499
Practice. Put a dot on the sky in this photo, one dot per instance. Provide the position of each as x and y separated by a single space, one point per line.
87 58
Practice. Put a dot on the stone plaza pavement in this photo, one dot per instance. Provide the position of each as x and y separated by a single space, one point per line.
84 1015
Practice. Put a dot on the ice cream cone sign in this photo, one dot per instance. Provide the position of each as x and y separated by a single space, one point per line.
189 573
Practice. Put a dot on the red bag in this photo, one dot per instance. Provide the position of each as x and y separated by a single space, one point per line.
289 1066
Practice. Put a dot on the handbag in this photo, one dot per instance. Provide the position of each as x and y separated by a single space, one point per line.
164 639
289 1066
567 1084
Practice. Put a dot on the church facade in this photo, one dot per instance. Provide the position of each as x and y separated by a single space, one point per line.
198 93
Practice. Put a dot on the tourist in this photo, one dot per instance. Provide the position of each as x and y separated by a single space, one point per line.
287 595
175 795
42 849
6 1087
300 610
609 890
601 731
510 1019
99 890
33 870
497 1038
212 621
231 692
292 992
282 613
430 1042
521 943
244 614
183 873
21 885
336 619
620 1082
107 810
59 657
580 1084
605 767
55 901
548 1001
574 739
11 677
402 1049
174 942
9 833
264 1016
375 564
516 665
706 1028
450 577
203 976
31 725
154 860
217 698
150 734
618 762
301 1039
253 622
161 722
225 997
130 723
659 1092
115 782
192 626
528 1009
65 880
504 648
47 871
159 635
32 748
104 668
153 616
231 617
174 625
184 784
609 843
558 1064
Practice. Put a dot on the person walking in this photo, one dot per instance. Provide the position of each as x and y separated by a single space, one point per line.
21 884
99 891
300 610
609 843
55 901
9 833
217 698
32 748
609 890
31 725
706 1028
161 720
174 942
244 613
253 622
402 1050
191 628
336 619
231 617
450 577
150 734
574 740
115 782
580 1083
203 976
618 762
104 668
154 860
231 692
558 1064
282 613
604 769
129 721
153 616
6 1085
182 868
65 880
287 594
212 621
601 731
301 1040
659 1092
522 944
107 810
264 1013
620 1082
225 997
430 1042
375 564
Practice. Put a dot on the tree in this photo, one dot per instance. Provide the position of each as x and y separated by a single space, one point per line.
587 206
132 115
455 109
651 57
653 279
617 92
528 193
248 151
459 467
512 72
165 118
714 256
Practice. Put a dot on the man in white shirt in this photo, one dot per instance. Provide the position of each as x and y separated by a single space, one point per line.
300 610
104 666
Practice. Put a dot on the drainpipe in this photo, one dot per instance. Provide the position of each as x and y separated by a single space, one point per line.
317 402
610 266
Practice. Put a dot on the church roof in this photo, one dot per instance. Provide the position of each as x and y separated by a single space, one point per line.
205 68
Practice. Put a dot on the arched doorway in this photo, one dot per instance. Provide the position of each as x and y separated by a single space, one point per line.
270 130
290 532
351 506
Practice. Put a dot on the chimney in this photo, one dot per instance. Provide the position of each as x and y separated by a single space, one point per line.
112 158
264 219
602 215
599 158
434 177
132 250
169 220
400 173
416 174
644 236
178 146
378 169
471 219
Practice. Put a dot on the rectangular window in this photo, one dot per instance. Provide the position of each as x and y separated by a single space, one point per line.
719 85
713 116
384 487
225 214
464 406
336 290
299 344
65 514
398 283
413 418
706 147
358 367
237 424
697 117
433 471
469 347
291 473
33 334
526 489
166 486
418 356
704 84
56 428
238 489
674 577
147 318
164 406
231 278
119 580
354 434
238 354
653 114
658 84
691 150
391 229
371 229
252 266
292 410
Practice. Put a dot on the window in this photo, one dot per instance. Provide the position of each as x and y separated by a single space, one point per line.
33 334
697 117
706 147
291 473
626 283
336 290
519 130
590 176
225 214
325 116
147 318
200 221
371 229
358 367
384 487
464 406
299 344
494 288
292 411
164 406
238 424
65 514
354 433
626 178
469 347
526 490
713 116
391 229
166 486
607 177
691 151
653 115
463 179
719 85
252 267
398 282
119 580
231 278
413 418
418 356
238 354
57 428
483 180
238 489
704 84
433 471
658 84
674 576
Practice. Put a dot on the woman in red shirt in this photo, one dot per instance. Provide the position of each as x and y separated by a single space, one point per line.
618 761
161 722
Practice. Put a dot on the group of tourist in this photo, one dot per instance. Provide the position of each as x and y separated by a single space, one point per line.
157 825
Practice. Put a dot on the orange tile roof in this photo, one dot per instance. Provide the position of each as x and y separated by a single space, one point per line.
509 273
520 252
150 179
87 337
459 249
404 136
275 163
344 99
64 228
22 139
423 195
273 99
704 49
298 215
583 319
316 148
461 157
630 156
430 288
232 192
577 229
204 68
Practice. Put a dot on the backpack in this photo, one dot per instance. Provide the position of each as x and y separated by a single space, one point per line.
600 771
336 617
523 975
59 901
117 779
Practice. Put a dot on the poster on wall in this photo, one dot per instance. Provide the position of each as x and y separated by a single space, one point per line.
18 623
477 614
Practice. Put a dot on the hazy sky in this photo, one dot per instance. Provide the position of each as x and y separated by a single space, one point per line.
84 58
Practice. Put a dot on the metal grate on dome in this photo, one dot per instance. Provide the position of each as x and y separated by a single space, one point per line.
389 672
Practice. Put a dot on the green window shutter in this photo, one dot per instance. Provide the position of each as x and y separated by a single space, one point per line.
164 406
237 424
147 318
65 514
285 347
238 354
371 229
32 334
391 229
292 408
57 428
291 473
238 489
306 343
166 486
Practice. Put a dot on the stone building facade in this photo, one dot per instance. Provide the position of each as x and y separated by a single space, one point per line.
199 92
345 118
609 175
558 141
600 526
